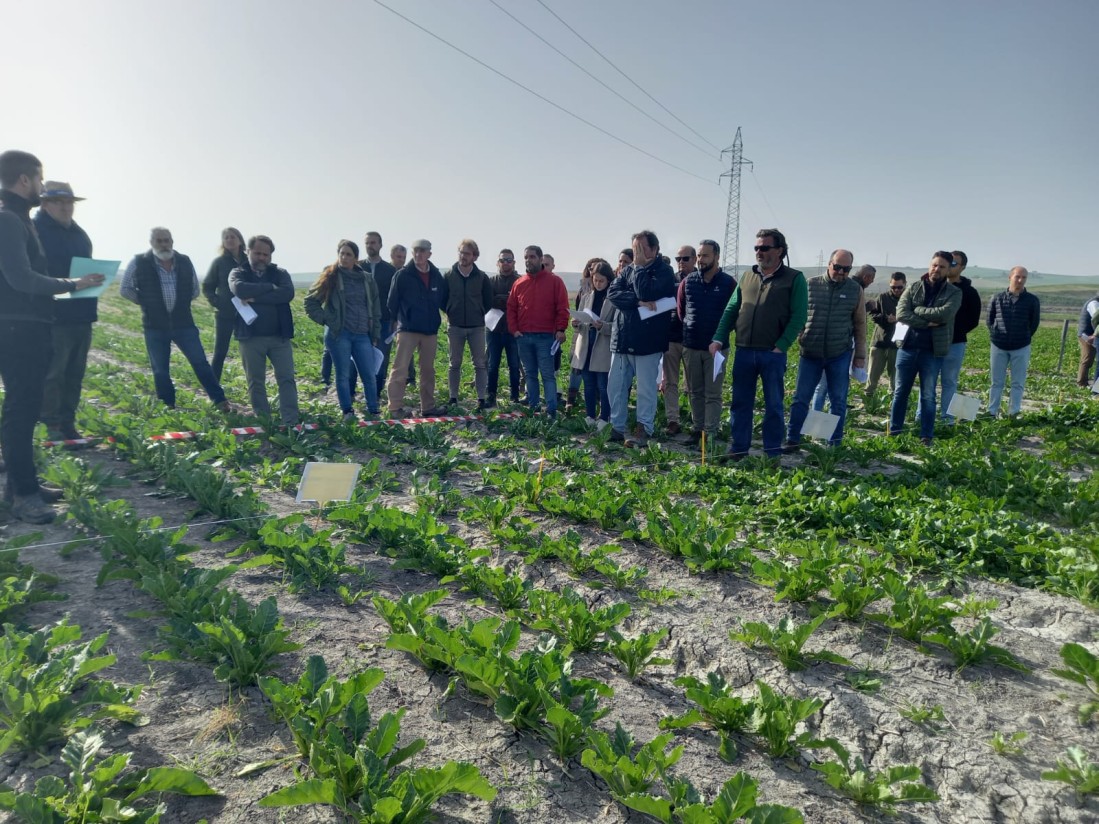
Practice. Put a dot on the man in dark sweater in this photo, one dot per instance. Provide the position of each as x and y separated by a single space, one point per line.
700 301
686 259
500 340
883 351
382 272
163 283
638 343
266 288
63 239
768 310
967 319
1013 318
468 298
416 295
26 314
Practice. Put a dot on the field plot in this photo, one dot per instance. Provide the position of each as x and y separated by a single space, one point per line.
516 621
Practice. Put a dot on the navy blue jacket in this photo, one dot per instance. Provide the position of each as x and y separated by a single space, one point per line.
630 335
415 306
701 305
61 244
1013 319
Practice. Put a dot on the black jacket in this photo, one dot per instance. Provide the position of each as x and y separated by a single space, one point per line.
215 286
414 305
26 292
1012 320
271 293
62 244
630 334
969 316
383 273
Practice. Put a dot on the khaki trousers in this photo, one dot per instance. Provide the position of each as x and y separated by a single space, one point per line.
409 343
704 391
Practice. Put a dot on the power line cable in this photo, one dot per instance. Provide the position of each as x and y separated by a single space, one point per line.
542 97
612 90
634 82
764 195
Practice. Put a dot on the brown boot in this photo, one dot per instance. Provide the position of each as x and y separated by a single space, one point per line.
31 510
570 403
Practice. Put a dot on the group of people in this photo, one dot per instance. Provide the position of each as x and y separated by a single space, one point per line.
637 327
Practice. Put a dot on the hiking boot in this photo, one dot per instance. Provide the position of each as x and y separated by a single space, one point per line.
791 447
489 403
589 422
638 440
30 509
617 437
434 412
48 494
925 441
224 406
400 412
673 428
453 402
695 438
601 424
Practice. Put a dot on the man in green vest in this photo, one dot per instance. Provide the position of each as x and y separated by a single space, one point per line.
835 329
768 310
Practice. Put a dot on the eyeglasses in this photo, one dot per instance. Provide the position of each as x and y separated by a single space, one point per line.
682 259
506 260
844 269
897 287
764 248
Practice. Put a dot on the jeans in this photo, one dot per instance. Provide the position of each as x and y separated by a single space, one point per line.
224 324
71 342
623 369
999 361
326 373
158 343
595 394
820 392
25 353
948 377
254 354
534 351
768 367
835 373
910 363
353 349
499 344
704 391
458 337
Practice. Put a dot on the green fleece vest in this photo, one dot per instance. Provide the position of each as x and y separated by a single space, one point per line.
830 326
764 307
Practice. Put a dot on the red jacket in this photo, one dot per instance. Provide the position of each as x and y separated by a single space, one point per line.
538 303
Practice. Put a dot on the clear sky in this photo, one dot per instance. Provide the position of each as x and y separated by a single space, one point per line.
890 128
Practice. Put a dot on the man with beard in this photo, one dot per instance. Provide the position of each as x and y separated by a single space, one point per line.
398 256
63 239
163 283
468 297
685 260
768 310
500 340
928 308
382 271
967 319
537 314
26 314
637 343
701 299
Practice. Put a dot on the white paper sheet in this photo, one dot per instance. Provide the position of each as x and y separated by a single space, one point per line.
663 305
900 332
583 315
492 317
820 425
379 358
719 362
964 406
555 346
244 310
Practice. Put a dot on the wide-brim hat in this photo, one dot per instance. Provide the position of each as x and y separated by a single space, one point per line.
58 190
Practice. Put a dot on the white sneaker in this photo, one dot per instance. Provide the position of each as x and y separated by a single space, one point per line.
589 422
600 425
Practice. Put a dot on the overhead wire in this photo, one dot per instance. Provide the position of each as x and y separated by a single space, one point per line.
606 86
542 97
638 86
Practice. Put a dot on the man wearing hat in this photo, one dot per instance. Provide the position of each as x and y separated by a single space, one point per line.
417 294
62 240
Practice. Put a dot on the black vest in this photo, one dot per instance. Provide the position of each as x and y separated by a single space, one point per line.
150 296
703 305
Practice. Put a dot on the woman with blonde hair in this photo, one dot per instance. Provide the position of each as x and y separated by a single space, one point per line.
215 287
345 301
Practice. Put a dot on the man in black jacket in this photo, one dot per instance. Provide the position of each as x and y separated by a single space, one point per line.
163 283
1013 318
416 295
468 298
637 344
268 290
383 272
26 314
967 319
63 239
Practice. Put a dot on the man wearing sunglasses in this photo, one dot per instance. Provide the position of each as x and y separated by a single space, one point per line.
768 311
685 262
883 351
500 340
836 324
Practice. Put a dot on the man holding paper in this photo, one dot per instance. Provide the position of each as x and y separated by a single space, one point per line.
538 314
468 297
500 340
644 295
835 322
62 240
26 315
163 283
264 332
883 349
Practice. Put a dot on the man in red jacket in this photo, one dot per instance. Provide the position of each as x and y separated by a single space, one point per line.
538 313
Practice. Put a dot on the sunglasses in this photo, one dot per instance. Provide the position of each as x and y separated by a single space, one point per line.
506 260
764 248
843 269
898 288
683 259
